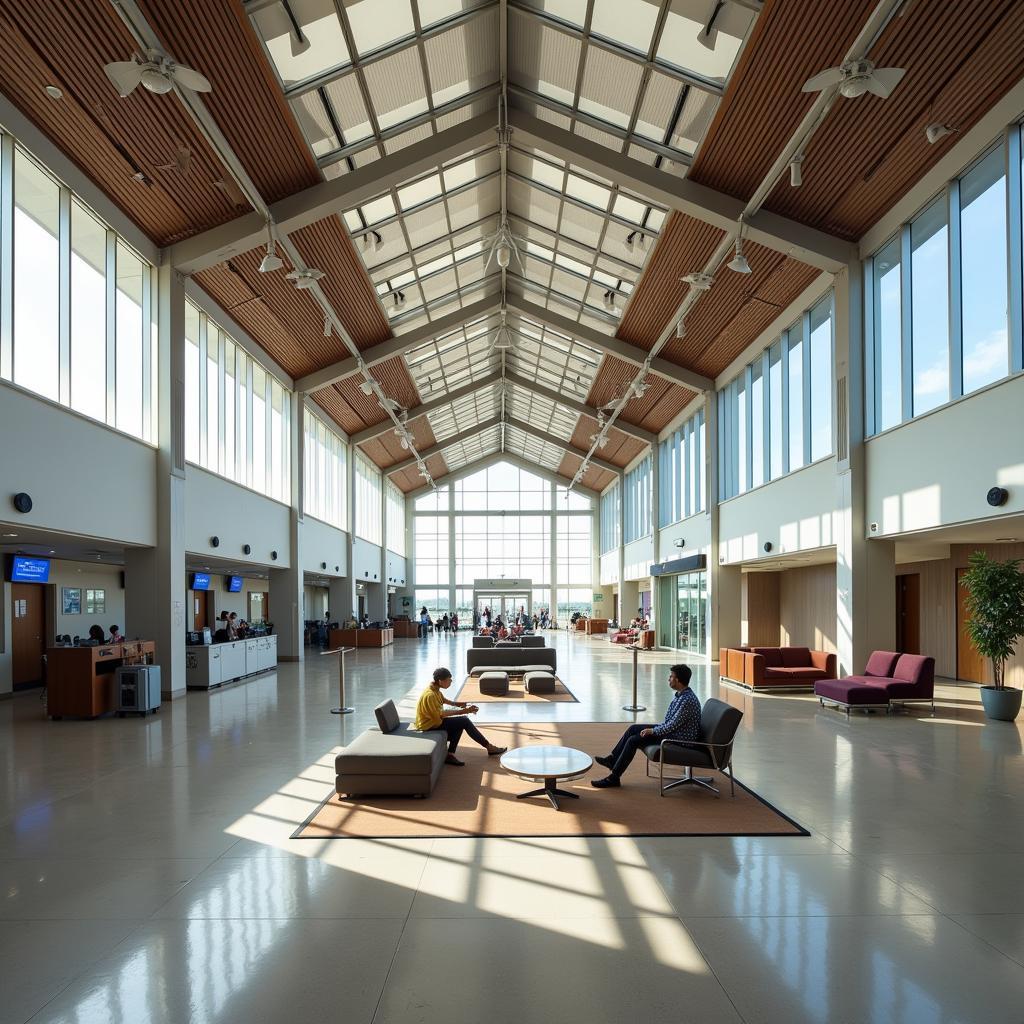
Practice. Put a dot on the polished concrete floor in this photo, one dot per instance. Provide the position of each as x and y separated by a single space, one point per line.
147 874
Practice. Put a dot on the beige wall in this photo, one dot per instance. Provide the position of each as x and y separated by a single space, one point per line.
760 609
807 607
85 575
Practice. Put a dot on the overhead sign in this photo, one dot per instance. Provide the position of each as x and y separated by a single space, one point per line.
598 598
692 563
29 570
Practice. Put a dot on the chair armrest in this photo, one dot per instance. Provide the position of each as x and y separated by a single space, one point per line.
753 668
825 661
711 747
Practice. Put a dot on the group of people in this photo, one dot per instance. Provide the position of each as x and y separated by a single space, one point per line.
232 625
485 622
681 722
445 624
97 635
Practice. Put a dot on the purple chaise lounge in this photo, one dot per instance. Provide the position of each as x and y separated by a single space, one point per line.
888 678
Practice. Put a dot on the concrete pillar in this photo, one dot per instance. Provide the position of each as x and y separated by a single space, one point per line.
865 568
286 584
347 603
155 598
655 532
724 582
622 607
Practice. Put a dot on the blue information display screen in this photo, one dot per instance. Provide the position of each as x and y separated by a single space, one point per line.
29 570
234 584
200 581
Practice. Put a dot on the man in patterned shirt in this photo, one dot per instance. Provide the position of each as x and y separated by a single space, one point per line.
682 722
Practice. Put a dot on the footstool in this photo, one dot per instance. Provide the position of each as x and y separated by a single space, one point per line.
495 684
539 682
864 693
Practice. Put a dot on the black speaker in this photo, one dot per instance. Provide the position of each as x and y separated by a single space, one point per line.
323 565
767 545
215 542
996 496
22 502
337 568
246 549
273 556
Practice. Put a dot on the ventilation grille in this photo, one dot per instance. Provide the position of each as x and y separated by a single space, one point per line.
842 422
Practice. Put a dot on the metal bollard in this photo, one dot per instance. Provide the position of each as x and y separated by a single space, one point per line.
341 652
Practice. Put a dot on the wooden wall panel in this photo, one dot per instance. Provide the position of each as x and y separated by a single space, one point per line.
759 609
807 607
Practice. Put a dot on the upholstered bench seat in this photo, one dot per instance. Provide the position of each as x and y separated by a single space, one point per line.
854 691
493 683
514 670
539 682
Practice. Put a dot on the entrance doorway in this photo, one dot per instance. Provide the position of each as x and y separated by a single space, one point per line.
503 604
28 625
199 609
908 613
970 665
682 622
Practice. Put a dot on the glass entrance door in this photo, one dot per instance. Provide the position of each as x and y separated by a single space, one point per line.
684 622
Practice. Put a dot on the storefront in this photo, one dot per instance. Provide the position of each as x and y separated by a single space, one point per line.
683 603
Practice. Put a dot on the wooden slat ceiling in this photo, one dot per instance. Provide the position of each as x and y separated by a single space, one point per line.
659 405
386 450
595 479
353 410
109 138
621 448
410 480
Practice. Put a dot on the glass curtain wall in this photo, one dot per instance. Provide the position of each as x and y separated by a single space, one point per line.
637 501
395 514
776 415
684 603
367 510
237 415
325 487
681 472
944 295
610 521
77 304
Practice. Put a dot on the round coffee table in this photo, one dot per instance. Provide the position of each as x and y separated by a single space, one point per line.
547 765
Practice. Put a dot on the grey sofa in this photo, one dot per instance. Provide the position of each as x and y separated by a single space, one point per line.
487 642
511 658
391 759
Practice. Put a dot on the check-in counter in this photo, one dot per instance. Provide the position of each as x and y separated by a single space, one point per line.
342 638
211 665
80 680
406 628
375 637
595 626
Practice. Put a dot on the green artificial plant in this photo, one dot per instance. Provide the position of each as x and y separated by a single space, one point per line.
995 604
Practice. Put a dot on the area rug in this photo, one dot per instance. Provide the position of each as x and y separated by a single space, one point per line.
480 800
516 692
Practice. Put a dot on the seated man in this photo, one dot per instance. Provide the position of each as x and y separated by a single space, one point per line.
682 722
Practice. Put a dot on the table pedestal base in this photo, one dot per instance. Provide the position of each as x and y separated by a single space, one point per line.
551 791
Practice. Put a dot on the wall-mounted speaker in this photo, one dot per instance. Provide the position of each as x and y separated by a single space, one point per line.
273 556
680 542
247 549
22 502
337 568
215 542
997 496
323 565
767 545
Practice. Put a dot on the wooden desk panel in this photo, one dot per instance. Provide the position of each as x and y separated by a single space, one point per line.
80 680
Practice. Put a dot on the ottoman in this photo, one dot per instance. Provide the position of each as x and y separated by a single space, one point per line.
495 684
539 682
864 692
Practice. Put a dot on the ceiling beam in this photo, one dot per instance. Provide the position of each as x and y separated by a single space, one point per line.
328 197
428 407
807 244
581 407
557 442
443 446
398 345
624 350
493 460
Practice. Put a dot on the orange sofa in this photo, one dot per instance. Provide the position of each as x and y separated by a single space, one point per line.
767 668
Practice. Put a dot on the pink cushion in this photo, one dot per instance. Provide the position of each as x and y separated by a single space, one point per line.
796 657
772 656
853 690
881 663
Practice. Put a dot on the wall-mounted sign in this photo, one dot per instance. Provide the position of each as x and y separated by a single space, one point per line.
71 600
598 598
689 564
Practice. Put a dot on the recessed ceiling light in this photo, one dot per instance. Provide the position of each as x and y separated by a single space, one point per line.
53 92
10 535
999 540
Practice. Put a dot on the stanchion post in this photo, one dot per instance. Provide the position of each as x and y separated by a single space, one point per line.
341 709
634 707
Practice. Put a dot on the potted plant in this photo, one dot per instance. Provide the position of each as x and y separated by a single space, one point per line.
995 604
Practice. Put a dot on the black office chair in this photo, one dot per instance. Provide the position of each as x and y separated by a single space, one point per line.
719 723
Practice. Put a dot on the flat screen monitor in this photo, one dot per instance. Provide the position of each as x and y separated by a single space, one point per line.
200 581
29 570
234 584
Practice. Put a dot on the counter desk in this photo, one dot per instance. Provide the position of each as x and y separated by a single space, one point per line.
80 680
360 638
208 666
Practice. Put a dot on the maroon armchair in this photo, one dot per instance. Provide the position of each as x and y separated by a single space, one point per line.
889 678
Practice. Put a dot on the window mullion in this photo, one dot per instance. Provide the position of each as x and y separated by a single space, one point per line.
805 351
64 301
906 328
748 422
6 256
956 324
204 457
147 355
248 472
221 403
870 362
1016 263
766 423
111 286
784 369
268 436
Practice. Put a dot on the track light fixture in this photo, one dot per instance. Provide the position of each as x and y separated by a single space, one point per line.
609 302
739 262
796 179
681 329
370 241
304 279
327 326
271 261
636 243
397 301
503 255
937 131
699 282
366 387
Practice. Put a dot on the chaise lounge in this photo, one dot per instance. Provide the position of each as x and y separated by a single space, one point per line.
889 678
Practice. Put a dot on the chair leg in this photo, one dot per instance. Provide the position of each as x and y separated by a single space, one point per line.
689 779
732 784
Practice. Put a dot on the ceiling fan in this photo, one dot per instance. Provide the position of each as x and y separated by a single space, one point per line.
156 72
856 77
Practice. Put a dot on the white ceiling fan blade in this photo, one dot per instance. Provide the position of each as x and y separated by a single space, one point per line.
883 80
125 74
190 78
822 80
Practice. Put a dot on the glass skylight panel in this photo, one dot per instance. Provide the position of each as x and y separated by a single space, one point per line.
628 209
316 126
420 192
462 173
629 23
685 44
376 23
533 169
574 12
543 59
464 59
698 110
610 86
658 107
433 11
396 87
586 191
316 23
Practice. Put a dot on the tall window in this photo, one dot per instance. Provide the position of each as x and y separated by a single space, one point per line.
368 501
929 289
395 514
888 337
237 416
82 304
325 487
610 519
637 501
776 416
681 472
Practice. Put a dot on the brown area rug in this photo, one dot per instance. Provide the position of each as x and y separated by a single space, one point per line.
470 691
480 800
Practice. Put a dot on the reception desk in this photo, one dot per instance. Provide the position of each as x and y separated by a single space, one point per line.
208 666
595 626
406 628
80 680
360 638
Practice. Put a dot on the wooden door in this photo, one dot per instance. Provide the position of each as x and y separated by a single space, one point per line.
970 665
199 609
908 613
28 622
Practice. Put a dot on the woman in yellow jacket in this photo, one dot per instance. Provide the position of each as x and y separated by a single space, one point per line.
431 714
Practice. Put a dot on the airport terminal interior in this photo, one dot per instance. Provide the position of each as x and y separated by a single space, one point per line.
654 368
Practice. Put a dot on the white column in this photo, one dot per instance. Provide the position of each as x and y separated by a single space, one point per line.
655 533
155 597
621 610
865 568
286 583
553 548
724 582
348 604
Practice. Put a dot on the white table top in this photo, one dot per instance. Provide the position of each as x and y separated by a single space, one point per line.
546 762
